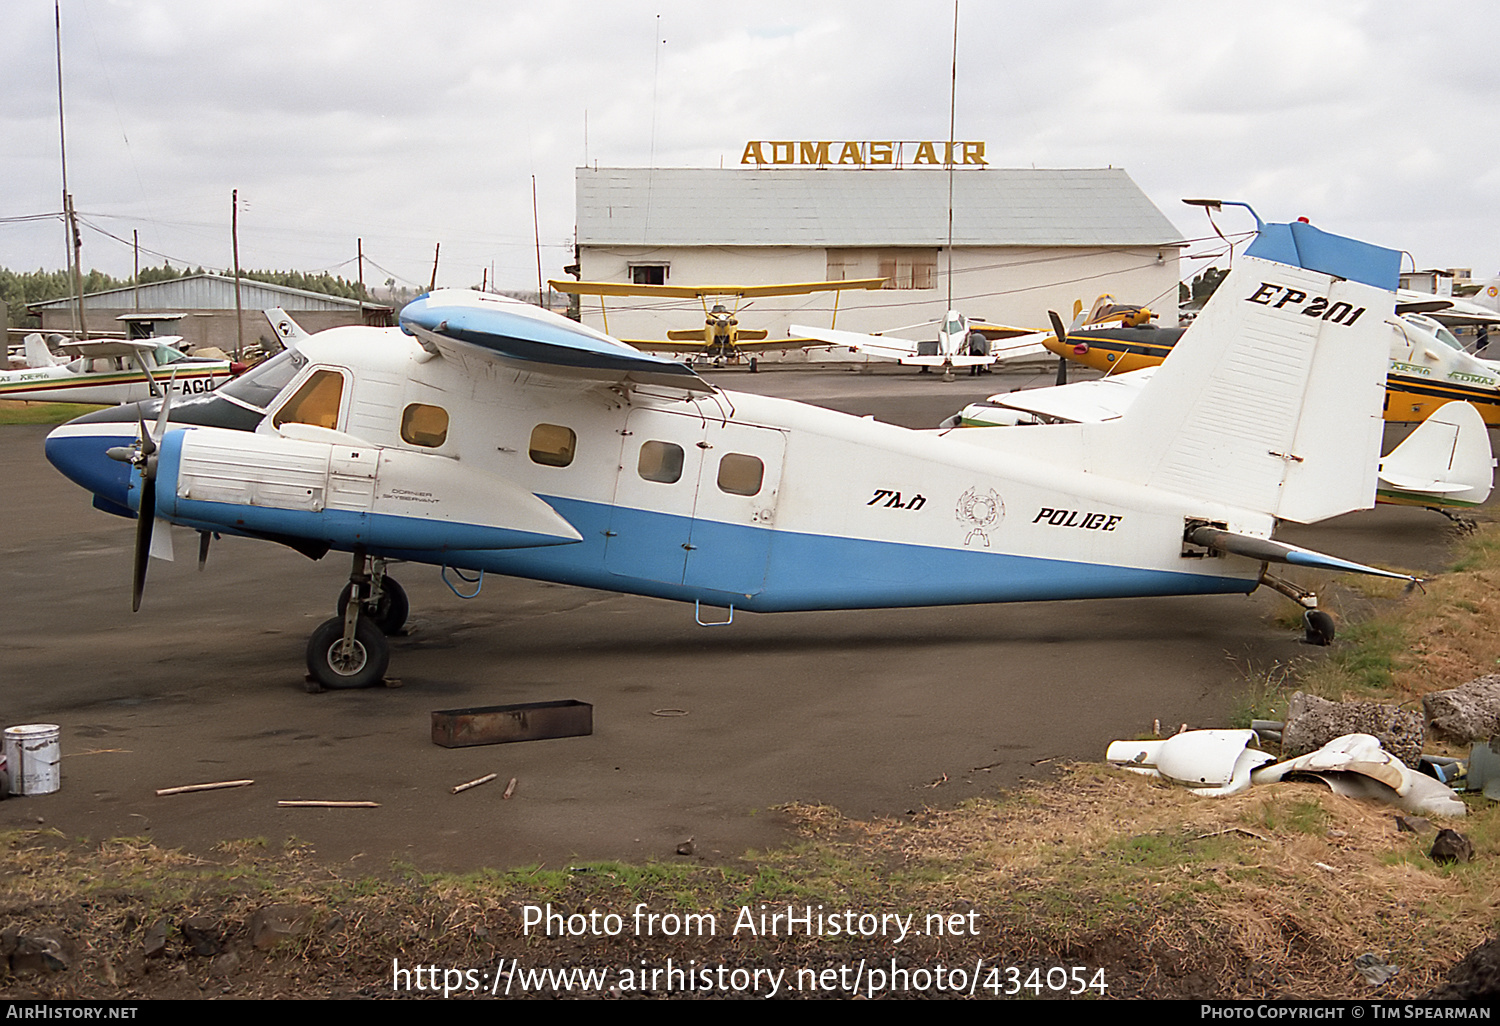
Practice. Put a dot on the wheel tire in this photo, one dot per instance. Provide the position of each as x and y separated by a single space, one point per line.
364 668
1319 627
389 614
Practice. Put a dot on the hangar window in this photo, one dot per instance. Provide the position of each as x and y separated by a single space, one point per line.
316 402
553 445
648 274
660 461
424 425
740 474
909 268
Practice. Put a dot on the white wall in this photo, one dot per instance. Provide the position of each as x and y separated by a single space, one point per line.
1012 285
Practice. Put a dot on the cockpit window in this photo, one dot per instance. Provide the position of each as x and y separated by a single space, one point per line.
260 385
316 402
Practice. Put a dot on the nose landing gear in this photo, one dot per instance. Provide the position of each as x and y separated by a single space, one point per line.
350 650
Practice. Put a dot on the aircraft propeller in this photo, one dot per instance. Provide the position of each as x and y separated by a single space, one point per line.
1062 340
143 457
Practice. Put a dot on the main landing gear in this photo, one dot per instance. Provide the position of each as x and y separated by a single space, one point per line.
350 650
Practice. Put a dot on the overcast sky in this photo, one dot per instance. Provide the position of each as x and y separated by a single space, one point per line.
409 124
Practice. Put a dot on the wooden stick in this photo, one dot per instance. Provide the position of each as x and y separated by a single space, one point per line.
216 786
475 783
328 805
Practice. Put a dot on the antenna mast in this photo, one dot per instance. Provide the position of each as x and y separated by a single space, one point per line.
952 96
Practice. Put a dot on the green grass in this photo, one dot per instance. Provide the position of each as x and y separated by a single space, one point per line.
43 413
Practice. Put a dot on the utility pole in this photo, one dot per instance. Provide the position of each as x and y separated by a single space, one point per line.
541 297
75 241
438 249
359 245
239 320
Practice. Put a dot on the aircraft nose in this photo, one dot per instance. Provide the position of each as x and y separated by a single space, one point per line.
81 453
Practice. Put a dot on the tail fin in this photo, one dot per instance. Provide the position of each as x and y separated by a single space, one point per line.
287 330
1271 401
1446 461
1488 294
37 353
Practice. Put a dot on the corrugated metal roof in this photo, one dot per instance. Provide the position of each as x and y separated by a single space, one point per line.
208 292
827 207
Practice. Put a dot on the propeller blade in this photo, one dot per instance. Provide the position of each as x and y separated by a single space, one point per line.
203 539
1062 340
145 519
146 516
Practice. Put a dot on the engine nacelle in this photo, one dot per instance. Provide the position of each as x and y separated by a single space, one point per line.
344 494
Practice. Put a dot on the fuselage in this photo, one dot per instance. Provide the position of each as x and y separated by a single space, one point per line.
724 498
111 380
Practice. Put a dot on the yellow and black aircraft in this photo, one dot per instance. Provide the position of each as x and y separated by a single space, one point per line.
1429 367
720 337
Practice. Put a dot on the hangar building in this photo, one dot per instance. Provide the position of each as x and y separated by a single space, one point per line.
200 308
1024 241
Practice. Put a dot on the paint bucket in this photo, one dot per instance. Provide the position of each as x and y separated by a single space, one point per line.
34 752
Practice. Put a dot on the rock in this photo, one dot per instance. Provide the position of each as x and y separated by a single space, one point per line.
202 935
273 924
41 953
1451 846
156 938
1312 722
1413 825
1467 713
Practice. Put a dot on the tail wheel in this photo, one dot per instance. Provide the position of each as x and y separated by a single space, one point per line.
361 664
1319 627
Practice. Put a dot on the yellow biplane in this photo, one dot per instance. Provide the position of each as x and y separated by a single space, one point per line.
720 338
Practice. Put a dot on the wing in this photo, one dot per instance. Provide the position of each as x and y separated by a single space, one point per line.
94 349
1083 402
887 346
615 288
458 323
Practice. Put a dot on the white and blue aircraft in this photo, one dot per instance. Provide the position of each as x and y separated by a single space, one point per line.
486 436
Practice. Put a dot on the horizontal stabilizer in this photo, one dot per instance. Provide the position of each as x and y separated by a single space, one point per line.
537 339
1269 551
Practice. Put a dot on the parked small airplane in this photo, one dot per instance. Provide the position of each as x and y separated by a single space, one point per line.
960 343
486 436
1428 369
111 371
721 337
1446 463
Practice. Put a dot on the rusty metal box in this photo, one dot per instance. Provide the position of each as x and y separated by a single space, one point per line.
500 724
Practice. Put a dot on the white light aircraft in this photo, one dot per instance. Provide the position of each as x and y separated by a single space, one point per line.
960 343
486 436
111 371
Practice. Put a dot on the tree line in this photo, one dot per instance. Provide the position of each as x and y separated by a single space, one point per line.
18 289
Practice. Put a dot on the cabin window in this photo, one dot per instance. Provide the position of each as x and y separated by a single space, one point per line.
660 461
740 474
553 445
424 425
316 402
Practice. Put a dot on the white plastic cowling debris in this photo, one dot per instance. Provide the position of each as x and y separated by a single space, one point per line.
1355 766
1212 763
